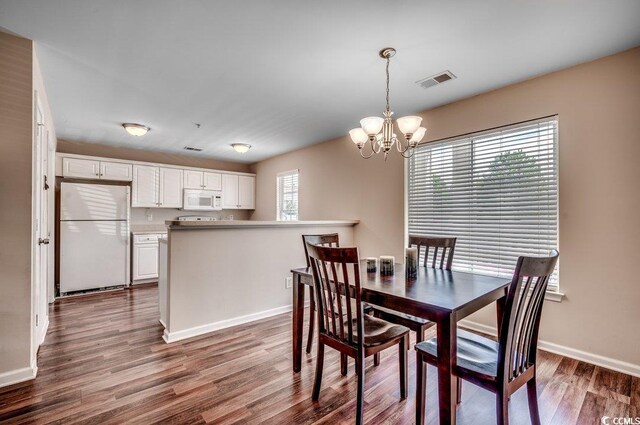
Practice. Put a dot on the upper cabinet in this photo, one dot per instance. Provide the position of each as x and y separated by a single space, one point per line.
146 186
94 169
170 188
202 180
116 171
238 192
158 185
81 168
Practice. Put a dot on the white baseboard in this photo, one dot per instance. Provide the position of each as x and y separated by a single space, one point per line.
18 375
170 337
596 359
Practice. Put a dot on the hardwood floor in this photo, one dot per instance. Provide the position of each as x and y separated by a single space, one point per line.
103 361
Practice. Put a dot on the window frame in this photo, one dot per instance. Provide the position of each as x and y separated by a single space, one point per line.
280 175
553 293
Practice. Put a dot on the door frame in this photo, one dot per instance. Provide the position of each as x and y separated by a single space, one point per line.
41 229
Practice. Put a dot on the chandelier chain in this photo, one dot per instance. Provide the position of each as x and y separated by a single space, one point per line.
387 69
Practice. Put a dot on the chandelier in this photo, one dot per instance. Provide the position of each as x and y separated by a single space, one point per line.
379 131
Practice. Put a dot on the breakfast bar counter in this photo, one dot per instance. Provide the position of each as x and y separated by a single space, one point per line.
217 274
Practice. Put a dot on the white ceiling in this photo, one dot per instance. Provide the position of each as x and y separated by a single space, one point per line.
283 74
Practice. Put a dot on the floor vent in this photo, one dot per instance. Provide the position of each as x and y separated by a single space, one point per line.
434 80
191 148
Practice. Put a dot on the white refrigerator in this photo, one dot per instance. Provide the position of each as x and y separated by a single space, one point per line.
94 236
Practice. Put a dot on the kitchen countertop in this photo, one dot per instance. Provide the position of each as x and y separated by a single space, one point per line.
142 229
247 224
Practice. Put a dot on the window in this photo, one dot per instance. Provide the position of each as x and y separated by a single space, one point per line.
287 196
496 191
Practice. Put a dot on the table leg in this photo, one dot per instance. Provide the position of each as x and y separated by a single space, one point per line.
500 305
447 351
298 313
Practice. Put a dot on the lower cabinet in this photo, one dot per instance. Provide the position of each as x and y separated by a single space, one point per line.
145 258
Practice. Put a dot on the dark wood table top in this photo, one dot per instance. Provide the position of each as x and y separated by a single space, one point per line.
431 292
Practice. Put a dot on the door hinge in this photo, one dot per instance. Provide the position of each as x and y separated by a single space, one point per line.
46 184
36 320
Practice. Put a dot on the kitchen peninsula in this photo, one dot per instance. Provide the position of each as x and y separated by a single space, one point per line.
219 274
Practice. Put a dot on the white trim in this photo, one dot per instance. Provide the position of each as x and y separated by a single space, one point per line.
18 375
596 359
43 332
170 337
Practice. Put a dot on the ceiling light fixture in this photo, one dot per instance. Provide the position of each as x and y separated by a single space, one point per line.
241 147
379 131
136 129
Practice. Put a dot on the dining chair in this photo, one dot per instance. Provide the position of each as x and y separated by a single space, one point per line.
501 367
329 239
353 333
446 246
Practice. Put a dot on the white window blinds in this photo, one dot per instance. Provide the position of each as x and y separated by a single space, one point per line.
287 196
496 191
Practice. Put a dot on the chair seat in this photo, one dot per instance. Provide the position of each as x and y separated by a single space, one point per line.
475 353
378 331
389 314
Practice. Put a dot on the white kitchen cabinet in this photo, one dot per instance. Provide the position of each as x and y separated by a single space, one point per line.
146 186
229 191
246 192
202 180
238 192
193 179
212 181
80 168
170 191
145 257
116 171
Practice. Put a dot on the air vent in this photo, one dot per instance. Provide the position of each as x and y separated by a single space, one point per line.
439 78
192 148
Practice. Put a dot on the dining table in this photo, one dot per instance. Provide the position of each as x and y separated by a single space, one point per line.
441 296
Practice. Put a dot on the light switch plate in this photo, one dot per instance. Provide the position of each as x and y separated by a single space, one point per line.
288 282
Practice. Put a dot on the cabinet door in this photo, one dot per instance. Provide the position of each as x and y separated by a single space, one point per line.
212 181
170 188
80 168
115 171
145 261
146 180
229 191
193 179
246 192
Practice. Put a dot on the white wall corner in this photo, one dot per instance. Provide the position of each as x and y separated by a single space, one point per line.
595 359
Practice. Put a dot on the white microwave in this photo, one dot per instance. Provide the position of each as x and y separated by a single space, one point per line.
202 200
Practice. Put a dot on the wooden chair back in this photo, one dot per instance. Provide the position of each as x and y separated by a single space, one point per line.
329 239
446 246
521 319
331 275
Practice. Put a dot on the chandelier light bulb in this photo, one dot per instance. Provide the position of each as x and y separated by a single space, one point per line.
372 125
358 136
409 124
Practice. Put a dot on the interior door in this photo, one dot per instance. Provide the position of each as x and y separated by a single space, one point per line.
42 233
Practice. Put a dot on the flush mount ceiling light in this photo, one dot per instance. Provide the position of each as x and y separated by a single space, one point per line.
136 129
241 147
379 131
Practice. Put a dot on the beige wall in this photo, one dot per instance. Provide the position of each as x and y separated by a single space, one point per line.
82 148
598 104
16 92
